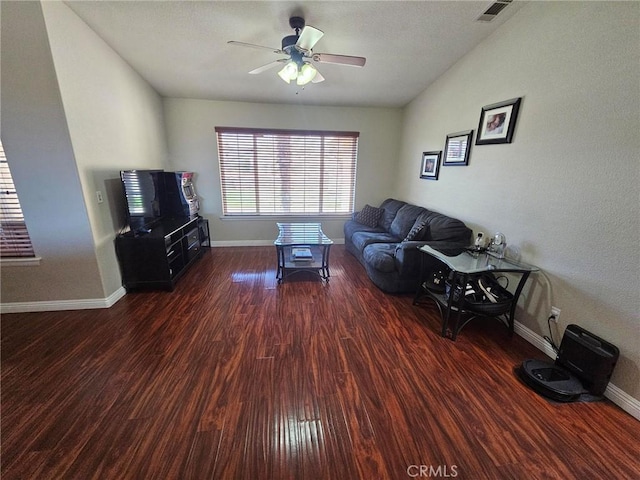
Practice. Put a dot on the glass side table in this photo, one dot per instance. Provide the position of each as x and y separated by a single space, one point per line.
302 247
465 264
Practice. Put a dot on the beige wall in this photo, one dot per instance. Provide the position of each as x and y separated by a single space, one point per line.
192 146
74 114
565 192
40 154
115 121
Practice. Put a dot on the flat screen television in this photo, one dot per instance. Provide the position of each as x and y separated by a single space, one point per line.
145 192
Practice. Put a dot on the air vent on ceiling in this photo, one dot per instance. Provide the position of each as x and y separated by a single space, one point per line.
493 10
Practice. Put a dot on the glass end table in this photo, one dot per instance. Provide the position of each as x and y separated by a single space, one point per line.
465 264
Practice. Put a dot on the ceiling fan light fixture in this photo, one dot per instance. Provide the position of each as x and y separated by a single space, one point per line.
299 48
307 74
289 72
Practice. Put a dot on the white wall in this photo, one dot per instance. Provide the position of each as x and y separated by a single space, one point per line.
115 121
74 114
40 155
565 192
192 146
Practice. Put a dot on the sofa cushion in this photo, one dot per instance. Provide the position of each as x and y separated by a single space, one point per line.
351 227
390 208
419 229
361 239
381 256
405 218
369 216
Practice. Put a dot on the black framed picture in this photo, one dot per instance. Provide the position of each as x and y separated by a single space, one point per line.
457 148
430 165
497 122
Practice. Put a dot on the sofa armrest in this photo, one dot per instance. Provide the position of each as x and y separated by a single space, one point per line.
413 245
409 258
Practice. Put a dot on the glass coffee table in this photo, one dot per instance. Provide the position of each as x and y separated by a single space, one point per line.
302 247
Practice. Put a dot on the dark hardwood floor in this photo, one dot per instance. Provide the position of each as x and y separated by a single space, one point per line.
232 376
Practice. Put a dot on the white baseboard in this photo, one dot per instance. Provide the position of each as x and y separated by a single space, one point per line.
56 305
534 339
622 399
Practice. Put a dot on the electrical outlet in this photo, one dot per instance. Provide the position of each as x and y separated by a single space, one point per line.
99 196
554 314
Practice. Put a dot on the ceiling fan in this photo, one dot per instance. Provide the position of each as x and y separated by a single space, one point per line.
299 47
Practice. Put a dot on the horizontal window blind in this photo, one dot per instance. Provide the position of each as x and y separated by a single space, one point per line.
14 237
287 172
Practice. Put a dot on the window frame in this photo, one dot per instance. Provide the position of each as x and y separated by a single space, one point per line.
20 250
333 155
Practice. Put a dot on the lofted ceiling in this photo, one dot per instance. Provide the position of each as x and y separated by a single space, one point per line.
181 49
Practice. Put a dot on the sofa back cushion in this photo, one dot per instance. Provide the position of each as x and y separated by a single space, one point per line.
390 207
443 228
405 218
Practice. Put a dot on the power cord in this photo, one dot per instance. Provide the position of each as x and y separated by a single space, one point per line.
550 337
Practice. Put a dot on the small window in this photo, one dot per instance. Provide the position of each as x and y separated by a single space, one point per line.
287 172
14 237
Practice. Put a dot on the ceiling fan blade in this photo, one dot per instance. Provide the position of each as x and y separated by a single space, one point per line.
339 59
318 78
251 45
266 67
309 37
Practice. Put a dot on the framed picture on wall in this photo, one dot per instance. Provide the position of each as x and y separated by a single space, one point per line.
457 148
430 165
497 122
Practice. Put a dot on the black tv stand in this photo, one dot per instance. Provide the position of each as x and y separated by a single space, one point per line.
158 256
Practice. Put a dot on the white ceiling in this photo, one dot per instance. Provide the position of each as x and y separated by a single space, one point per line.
180 47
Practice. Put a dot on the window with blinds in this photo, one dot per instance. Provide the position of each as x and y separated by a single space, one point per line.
14 238
287 172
